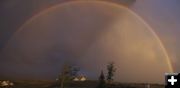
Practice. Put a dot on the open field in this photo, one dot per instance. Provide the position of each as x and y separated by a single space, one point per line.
85 84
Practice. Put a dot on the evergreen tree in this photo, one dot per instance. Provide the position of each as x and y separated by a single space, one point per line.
102 82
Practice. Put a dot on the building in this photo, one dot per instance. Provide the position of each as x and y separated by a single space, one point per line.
75 79
80 78
6 83
83 78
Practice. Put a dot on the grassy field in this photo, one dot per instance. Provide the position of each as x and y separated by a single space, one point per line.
85 84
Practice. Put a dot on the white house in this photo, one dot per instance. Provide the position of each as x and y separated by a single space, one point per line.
11 84
83 78
75 79
6 83
80 78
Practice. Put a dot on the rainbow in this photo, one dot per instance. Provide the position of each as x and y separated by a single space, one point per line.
49 9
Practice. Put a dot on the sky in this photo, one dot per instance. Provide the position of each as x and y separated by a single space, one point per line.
87 33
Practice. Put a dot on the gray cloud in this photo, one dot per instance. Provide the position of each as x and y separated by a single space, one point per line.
85 36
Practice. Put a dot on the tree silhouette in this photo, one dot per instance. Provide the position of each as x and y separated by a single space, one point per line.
102 82
111 70
74 71
67 74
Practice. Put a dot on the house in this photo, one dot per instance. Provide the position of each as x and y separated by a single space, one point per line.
75 79
6 83
80 78
11 84
57 79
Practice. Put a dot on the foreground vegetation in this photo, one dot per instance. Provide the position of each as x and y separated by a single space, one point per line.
69 73
85 84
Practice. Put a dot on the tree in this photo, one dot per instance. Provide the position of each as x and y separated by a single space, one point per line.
111 70
67 74
74 71
102 82
64 75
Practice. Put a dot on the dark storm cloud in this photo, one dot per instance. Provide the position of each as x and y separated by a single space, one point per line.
163 17
37 49
15 13
124 2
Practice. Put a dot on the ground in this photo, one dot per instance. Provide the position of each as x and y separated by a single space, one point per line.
86 84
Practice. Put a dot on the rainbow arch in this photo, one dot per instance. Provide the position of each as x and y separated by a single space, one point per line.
49 9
